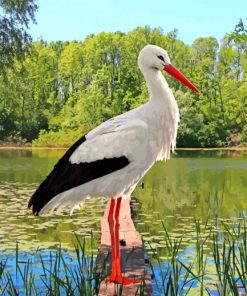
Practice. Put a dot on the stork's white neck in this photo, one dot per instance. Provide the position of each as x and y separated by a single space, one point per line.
158 87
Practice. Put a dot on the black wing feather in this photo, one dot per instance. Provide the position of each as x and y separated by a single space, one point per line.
66 175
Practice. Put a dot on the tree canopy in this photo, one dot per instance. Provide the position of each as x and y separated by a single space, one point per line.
15 17
61 90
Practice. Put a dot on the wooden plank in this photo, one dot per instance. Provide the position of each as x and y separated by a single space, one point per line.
132 255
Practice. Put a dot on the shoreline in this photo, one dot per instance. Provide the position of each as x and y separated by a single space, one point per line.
212 149
31 148
64 148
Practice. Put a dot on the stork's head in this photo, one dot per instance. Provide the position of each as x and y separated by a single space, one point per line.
155 57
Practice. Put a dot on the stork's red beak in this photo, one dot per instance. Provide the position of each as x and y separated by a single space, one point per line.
170 69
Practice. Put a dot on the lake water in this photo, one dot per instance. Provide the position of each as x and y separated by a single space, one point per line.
206 185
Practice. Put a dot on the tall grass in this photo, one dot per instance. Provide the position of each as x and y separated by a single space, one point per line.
55 277
223 273
231 260
174 276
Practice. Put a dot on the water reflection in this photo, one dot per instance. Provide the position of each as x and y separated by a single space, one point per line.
26 165
204 185
200 184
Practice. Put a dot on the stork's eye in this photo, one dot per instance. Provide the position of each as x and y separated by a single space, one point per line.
161 58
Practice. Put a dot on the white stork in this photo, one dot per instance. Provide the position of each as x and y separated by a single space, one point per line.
111 159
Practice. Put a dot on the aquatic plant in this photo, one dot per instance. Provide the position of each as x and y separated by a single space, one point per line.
224 272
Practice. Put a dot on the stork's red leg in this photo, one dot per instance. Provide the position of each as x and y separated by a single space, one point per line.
111 223
116 275
117 243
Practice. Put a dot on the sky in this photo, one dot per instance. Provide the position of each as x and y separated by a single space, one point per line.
75 19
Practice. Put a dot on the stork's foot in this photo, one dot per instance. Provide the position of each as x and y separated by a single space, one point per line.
119 279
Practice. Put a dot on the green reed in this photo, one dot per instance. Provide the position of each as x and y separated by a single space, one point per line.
228 260
56 276
173 276
231 260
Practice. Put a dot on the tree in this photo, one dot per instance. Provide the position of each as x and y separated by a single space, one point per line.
61 90
238 39
14 21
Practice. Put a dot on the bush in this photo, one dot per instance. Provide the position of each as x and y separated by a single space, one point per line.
62 138
243 136
14 139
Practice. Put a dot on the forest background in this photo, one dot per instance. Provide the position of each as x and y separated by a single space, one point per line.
51 93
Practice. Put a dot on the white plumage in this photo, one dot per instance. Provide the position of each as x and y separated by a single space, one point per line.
143 135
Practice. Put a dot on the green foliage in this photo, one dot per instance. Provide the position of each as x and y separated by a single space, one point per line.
63 89
14 20
244 136
64 138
